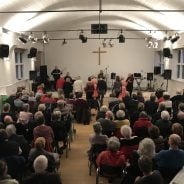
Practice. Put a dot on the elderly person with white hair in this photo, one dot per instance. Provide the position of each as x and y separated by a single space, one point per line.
19 139
164 124
97 137
108 126
171 161
102 112
41 176
112 156
146 148
128 143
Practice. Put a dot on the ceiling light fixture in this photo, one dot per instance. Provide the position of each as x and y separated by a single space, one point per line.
64 42
110 43
121 37
32 38
175 38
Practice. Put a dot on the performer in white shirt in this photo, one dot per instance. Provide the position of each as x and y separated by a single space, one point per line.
78 86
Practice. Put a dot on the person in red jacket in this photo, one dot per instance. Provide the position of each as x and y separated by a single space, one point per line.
141 126
111 157
60 83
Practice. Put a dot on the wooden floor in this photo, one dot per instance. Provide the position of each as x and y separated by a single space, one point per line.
74 169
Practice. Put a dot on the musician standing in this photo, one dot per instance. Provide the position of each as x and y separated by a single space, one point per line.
56 74
130 82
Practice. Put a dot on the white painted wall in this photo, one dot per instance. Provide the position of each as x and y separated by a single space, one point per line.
78 59
8 81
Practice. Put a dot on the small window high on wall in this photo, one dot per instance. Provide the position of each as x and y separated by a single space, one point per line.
180 65
19 64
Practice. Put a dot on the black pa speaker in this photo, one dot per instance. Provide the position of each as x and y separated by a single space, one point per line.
32 75
149 76
157 70
98 28
113 75
167 52
4 50
43 73
32 52
167 74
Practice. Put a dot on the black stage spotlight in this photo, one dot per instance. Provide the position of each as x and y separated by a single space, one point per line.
82 37
175 38
23 39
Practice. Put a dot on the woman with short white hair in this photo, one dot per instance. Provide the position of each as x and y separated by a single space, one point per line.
111 157
164 124
128 143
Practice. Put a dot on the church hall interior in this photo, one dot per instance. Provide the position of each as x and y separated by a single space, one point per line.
45 44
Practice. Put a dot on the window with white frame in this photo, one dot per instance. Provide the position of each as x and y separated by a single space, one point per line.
19 64
180 65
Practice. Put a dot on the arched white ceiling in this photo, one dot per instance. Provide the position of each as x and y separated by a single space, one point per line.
72 20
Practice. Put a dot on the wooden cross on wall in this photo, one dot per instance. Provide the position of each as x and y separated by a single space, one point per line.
99 52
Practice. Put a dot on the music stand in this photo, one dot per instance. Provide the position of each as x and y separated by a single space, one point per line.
138 79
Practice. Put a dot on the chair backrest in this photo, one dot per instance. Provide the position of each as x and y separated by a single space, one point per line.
110 171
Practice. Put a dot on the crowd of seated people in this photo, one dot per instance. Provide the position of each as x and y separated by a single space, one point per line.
150 137
33 125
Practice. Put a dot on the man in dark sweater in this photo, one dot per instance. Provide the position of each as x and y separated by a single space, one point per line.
102 88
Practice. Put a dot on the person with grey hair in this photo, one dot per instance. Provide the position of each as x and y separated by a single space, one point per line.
108 126
40 164
121 120
164 124
128 142
171 161
102 112
6 112
111 157
146 148
149 176
97 137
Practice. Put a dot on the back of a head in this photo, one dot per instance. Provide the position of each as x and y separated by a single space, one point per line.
40 143
147 148
181 106
103 108
145 164
180 115
8 119
126 131
120 114
166 96
165 115
174 140
161 106
39 118
121 106
152 97
154 132
56 115
3 168
40 164
26 107
41 107
10 129
109 115
113 144
79 95
97 128
177 128
143 114
140 106
6 107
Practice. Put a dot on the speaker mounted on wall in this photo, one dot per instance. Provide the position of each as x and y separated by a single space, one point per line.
4 50
167 74
32 52
98 28
167 52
